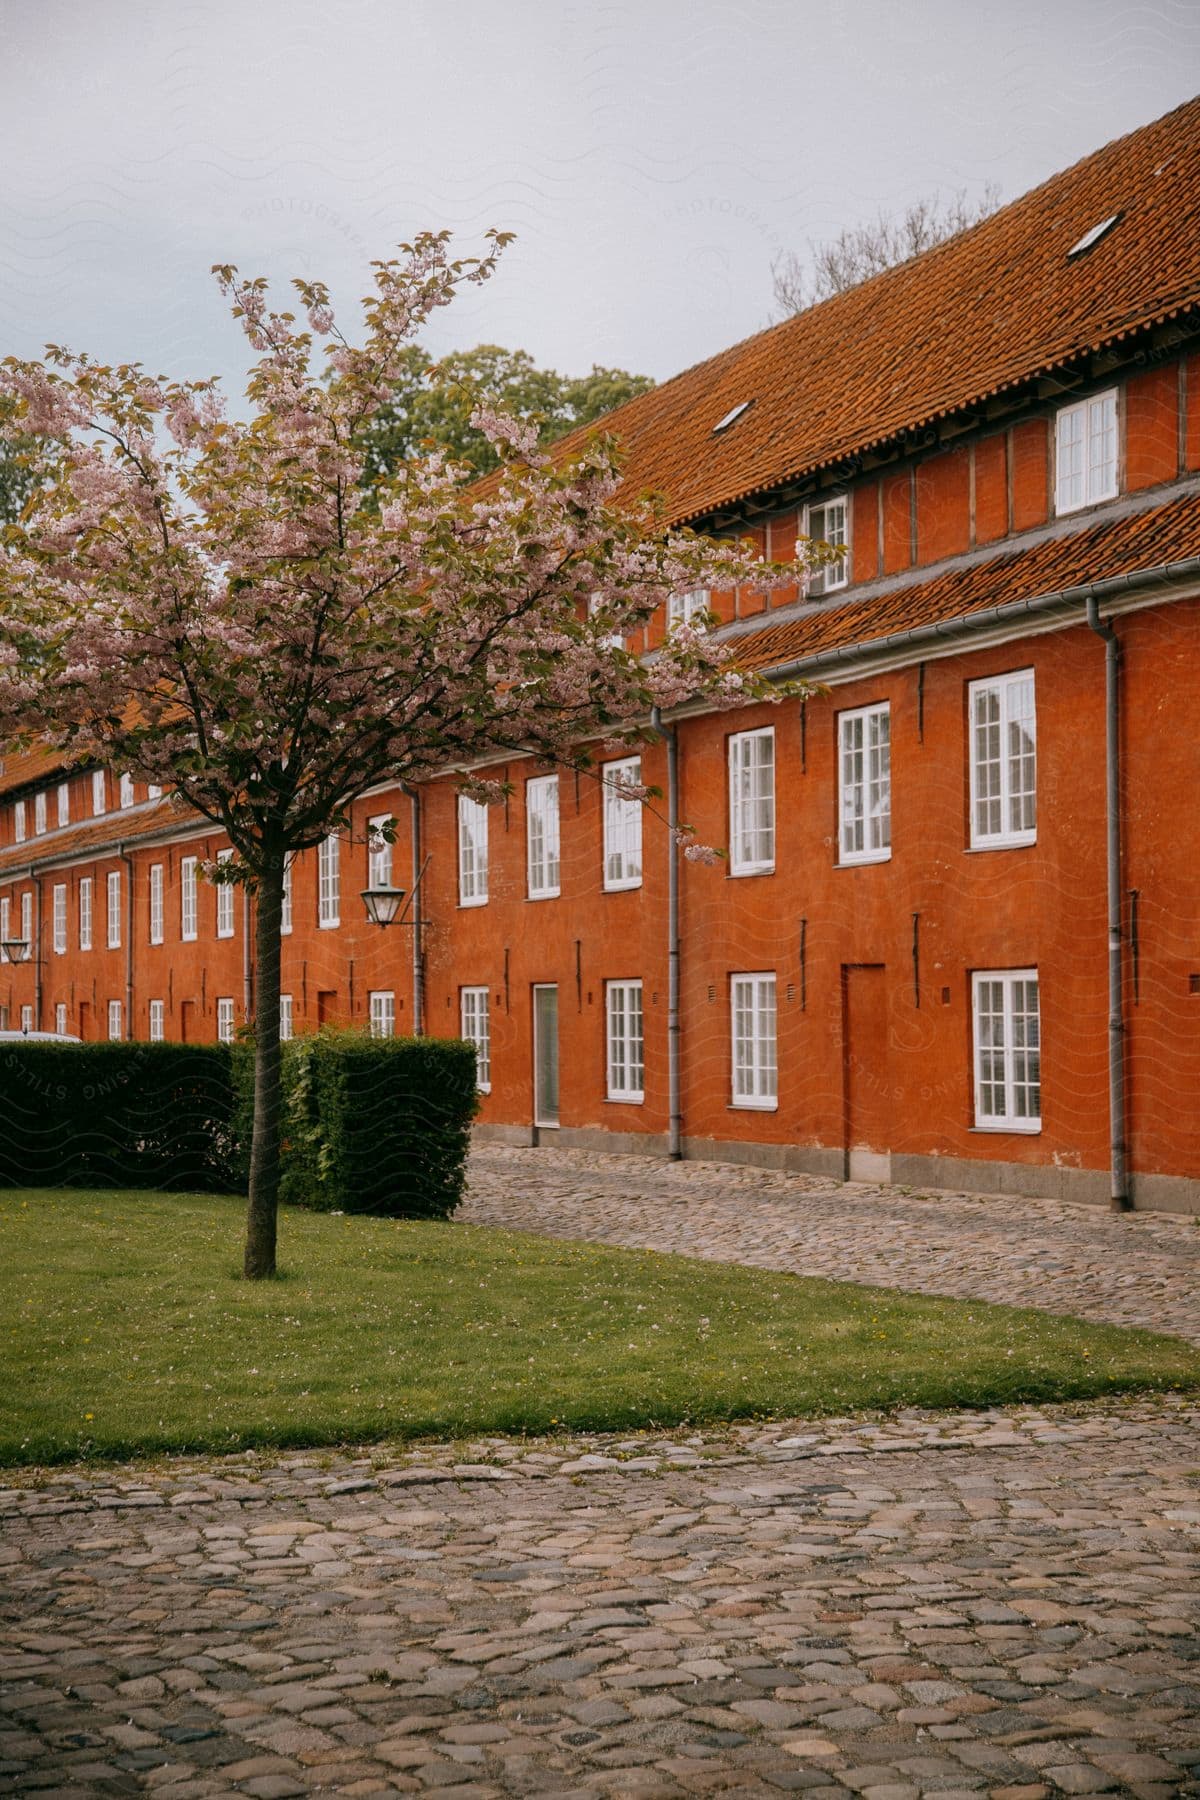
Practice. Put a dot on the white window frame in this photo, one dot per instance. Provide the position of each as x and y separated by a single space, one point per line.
60 1017
751 786
225 1020
286 1018
622 826
1087 452
285 911
158 1021
188 900
683 609
865 784
329 883
379 853
154 790
40 813
542 837
1009 695
27 1018
63 802
472 851
116 1024
625 1041
112 913
820 520
27 926
754 1077
475 1023
224 900
19 824
5 925
59 916
99 794
156 903
85 912
381 1007
1014 1077
125 795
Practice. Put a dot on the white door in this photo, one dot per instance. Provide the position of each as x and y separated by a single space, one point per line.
545 1056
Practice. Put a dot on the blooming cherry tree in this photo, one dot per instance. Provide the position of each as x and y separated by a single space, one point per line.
226 608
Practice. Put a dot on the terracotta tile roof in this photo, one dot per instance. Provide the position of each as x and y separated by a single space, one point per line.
21 768
100 835
989 309
1162 534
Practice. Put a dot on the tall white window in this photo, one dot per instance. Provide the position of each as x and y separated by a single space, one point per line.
27 1018
285 916
157 1021
99 801
156 903
622 825
752 802
541 816
1086 452
60 1017
379 854
27 924
1003 761
626 1041
5 926
689 608
85 913
865 803
187 898
59 915
285 1016
224 900
154 790
126 790
114 1019
39 812
827 520
752 1011
1008 1061
64 802
224 1021
328 883
114 910
472 851
477 1029
19 821
383 1013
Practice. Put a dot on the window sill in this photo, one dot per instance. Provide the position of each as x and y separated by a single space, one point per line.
224 934
328 924
625 1099
757 869
1069 512
549 894
865 861
470 905
622 887
1009 1128
1005 843
483 1087
754 1106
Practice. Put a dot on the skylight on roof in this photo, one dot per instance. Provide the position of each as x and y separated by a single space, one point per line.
1093 236
735 412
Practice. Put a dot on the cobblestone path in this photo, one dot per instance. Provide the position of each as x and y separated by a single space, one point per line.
999 1605
1133 1269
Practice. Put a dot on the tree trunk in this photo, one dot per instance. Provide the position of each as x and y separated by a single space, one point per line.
264 1145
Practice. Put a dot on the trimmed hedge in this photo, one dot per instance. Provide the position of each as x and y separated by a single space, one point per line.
377 1125
119 1115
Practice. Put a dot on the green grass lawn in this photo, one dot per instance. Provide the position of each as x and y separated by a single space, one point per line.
127 1331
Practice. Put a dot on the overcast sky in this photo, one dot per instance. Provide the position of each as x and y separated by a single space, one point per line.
652 157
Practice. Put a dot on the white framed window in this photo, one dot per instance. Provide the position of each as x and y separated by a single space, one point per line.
27 1018
1003 725
113 938
329 884
379 852
285 915
158 1017
752 802
99 798
622 825
27 924
85 912
60 1017
125 791
19 821
187 899
115 1028
626 1068
154 790
689 608
1085 452
156 903
63 798
476 1024
752 1017
1006 1018
39 812
865 784
5 923
472 851
285 1017
828 521
382 1004
59 918
224 1021
541 823
612 640
224 900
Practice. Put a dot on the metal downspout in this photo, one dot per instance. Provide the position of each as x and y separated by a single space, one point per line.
124 857
247 978
1118 1150
38 973
418 962
670 737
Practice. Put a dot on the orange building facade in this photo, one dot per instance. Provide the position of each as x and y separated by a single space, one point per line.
961 895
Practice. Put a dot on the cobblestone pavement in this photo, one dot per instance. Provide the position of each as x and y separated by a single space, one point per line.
972 1604
1131 1269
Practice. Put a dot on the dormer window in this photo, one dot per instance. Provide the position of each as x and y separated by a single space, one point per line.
827 521
19 821
39 813
127 790
1086 452
682 609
